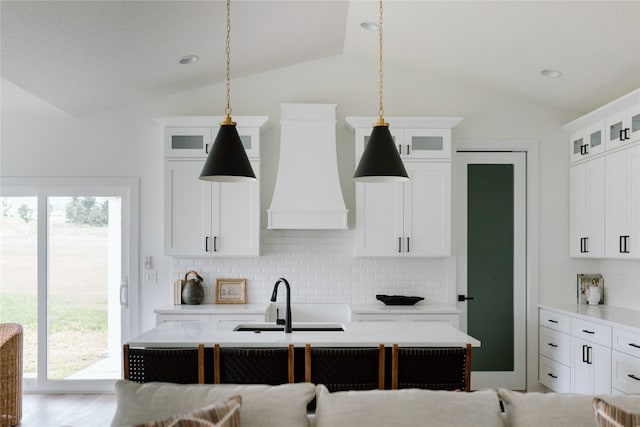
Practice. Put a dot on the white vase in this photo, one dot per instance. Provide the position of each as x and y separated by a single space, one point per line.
593 295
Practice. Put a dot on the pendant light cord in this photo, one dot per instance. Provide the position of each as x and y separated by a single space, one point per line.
227 110
380 121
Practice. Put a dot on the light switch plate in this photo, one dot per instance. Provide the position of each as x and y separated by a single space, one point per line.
150 276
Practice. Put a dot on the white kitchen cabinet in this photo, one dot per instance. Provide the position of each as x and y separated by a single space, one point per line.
227 315
206 218
591 367
623 203
187 142
406 219
623 128
587 205
554 370
587 142
397 313
412 143
625 361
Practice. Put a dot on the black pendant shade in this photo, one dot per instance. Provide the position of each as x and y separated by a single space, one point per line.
380 161
227 160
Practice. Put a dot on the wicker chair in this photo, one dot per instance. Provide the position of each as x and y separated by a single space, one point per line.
271 366
435 368
172 365
10 374
345 368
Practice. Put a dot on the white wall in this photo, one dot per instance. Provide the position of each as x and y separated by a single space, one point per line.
38 140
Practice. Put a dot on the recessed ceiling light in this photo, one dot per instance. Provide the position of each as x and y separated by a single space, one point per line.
551 73
189 59
369 26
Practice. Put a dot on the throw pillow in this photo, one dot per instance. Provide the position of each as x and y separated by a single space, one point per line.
219 414
547 409
615 414
262 405
407 407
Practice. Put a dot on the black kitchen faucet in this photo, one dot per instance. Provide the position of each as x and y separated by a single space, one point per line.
274 296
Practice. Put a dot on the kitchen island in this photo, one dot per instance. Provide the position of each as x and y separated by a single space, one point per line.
343 356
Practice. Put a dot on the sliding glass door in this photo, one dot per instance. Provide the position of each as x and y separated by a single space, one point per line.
66 260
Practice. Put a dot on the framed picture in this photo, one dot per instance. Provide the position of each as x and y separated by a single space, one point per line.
231 291
585 281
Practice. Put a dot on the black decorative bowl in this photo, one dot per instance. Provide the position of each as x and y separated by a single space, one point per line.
398 299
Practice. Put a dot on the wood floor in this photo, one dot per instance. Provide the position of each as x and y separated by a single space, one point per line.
67 410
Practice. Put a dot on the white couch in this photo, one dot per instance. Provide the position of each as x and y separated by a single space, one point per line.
286 406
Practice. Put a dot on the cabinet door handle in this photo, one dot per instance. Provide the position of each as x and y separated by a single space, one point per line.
625 247
633 377
584 149
555 377
586 243
589 355
552 321
408 247
400 148
552 345
584 354
408 149
206 148
586 331
624 134
206 243
399 244
621 134
634 345
215 243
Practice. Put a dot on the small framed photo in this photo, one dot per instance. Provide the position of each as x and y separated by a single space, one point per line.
231 291
586 281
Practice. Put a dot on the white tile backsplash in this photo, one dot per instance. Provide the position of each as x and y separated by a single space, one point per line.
321 268
621 283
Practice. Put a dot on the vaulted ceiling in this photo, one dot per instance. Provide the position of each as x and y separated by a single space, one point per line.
89 56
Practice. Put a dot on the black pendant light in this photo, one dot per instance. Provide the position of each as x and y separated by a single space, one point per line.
227 161
380 161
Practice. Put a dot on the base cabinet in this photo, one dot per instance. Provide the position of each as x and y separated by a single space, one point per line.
589 350
591 367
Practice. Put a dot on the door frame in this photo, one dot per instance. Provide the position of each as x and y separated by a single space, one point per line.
531 149
128 190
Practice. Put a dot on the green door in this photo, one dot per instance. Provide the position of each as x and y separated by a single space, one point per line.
492 286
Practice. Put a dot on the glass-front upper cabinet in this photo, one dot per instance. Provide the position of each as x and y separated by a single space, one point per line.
624 127
588 142
412 143
187 142
197 142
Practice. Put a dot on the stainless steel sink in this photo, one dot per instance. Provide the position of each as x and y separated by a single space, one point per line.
301 326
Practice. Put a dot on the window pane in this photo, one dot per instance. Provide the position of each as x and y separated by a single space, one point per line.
19 273
80 258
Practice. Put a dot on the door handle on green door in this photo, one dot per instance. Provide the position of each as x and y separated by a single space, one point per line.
463 298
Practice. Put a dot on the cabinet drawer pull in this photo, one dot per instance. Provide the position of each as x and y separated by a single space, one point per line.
633 377
552 321
555 377
552 345
634 345
588 332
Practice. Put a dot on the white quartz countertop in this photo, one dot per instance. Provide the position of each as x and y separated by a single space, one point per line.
613 316
379 308
405 309
213 309
357 334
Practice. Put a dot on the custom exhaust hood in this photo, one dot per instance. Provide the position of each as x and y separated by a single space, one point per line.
307 194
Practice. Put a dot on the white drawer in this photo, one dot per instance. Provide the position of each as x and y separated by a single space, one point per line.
594 332
554 375
626 342
161 318
556 321
555 345
625 372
